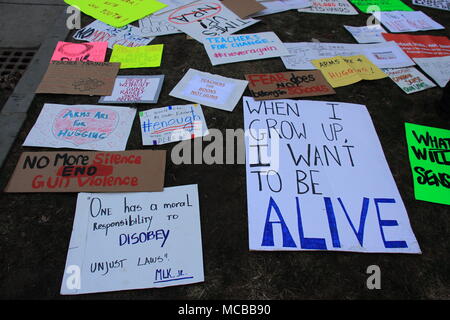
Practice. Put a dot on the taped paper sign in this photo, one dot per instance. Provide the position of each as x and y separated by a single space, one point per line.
125 171
128 36
172 124
435 4
342 71
243 8
401 21
153 26
409 79
79 77
68 51
117 13
124 241
244 47
137 57
367 34
317 179
86 127
203 19
277 6
135 89
368 6
383 55
438 68
429 156
288 85
330 7
209 89
421 46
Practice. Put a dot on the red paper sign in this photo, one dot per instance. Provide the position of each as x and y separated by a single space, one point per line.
421 46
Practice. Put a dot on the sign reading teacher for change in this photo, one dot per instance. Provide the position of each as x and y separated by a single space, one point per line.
317 179
124 241
429 156
126 171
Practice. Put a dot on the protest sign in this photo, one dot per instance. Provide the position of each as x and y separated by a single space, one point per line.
317 179
383 55
128 36
409 79
368 6
68 51
86 127
69 171
137 57
153 26
438 68
277 6
79 77
288 85
124 241
135 89
330 7
341 71
244 47
117 13
209 89
435 4
367 34
243 8
429 156
172 124
421 46
402 21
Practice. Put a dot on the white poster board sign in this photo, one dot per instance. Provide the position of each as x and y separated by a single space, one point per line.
435 4
331 7
367 34
438 68
409 79
153 26
277 6
407 21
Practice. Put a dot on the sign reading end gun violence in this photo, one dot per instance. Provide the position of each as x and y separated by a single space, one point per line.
128 171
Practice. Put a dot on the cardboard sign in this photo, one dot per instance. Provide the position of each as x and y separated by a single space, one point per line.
79 77
244 47
153 26
68 51
402 21
209 89
117 13
429 154
243 8
438 68
277 6
135 89
128 36
367 34
368 6
86 127
383 55
317 179
342 71
409 79
421 46
137 57
69 171
205 18
435 4
330 7
288 85
124 241
172 124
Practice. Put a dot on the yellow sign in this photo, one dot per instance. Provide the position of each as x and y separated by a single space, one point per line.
137 57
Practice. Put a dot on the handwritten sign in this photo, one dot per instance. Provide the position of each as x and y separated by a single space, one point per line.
244 47
409 79
341 71
367 34
330 7
69 171
438 68
209 89
203 19
429 153
124 241
79 78
153 26
276 6
128 36
403 21
288 85
117 13
135 89
317 179
368 6
68 51
172 124
86 127
421 46
435 4
137 57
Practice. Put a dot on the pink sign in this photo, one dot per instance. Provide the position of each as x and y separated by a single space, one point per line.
88 51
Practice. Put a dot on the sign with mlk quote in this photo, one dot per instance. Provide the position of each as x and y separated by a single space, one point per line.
317 179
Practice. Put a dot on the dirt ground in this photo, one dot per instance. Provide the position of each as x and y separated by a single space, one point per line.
35 229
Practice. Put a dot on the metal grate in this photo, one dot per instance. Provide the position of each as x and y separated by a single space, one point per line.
14 61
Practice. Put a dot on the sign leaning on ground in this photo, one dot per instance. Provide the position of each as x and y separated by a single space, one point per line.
317 179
